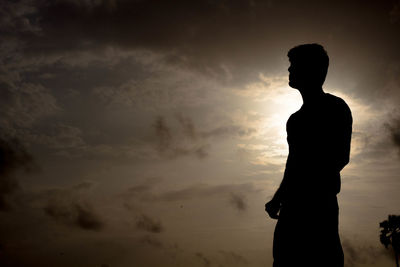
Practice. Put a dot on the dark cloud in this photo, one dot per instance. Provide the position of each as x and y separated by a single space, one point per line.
204 190
74 214
163 133
246 35
14 17
154 24
139 190
233 257
69 206
66 25
151 241
230 40
87 219
187 140
356 254
229 130
238 201
187 125
190 131
24 104
85 185
145 223
204 260
395 12
63 137
145 192
170 146
13 157
394 131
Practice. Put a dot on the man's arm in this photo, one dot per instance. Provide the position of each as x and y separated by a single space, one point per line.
273 206
328 152
335 155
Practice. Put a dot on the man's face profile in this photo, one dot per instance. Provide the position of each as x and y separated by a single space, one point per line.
295 75
303 75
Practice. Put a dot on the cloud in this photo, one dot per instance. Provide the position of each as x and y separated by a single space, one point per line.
163 133
13 157
235 193
394 13
66 25
67 206
181 34
74 214
63 136
187 140
233 258
178 29
238 202
204 260
187 125
14 18
145 223
356 254
24 103
394 130
190 130
229 130
171 147
85 185
151 241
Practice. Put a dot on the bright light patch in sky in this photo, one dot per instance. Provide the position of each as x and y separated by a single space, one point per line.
274 101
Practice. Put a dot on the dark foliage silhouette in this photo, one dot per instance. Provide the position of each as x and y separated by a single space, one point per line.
390 234
319 136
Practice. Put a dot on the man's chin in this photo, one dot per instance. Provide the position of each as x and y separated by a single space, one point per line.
292 84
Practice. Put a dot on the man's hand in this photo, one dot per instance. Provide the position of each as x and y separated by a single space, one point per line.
272 208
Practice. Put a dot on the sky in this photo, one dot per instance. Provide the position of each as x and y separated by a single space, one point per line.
152 133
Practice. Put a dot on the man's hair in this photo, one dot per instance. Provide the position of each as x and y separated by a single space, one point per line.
312 56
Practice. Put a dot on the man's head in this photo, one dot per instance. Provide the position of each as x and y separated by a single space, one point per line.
308 66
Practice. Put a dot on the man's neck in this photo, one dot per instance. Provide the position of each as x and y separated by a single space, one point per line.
311 95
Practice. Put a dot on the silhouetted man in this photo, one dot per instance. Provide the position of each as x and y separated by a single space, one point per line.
318 135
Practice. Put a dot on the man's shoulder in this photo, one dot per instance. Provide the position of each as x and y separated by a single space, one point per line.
294 115
336 102
338 106
334 99
293 118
